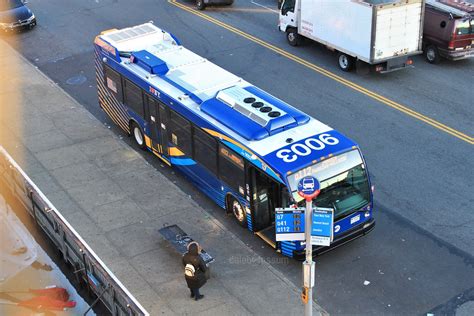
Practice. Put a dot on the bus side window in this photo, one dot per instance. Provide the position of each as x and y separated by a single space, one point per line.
133 97
205 149
113 82
180 133
231 169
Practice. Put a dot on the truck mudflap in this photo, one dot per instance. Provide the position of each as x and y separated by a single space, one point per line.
394 64
348 236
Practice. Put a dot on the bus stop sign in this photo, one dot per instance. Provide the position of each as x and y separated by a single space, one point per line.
308 188
289 224
322 226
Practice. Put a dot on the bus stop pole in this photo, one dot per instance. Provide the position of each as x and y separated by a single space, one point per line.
308 310
308 188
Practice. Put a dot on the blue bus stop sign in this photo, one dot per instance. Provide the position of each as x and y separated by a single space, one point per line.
322 223
289 224
308 188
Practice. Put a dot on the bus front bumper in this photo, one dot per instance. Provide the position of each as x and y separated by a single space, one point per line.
348 236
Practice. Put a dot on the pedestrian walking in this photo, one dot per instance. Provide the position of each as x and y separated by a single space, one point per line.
194 270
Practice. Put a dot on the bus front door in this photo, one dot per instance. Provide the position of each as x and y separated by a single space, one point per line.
264 199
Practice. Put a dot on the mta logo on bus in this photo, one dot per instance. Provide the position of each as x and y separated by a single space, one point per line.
155 92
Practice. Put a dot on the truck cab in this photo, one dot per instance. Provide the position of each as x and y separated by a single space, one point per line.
448 30
287 21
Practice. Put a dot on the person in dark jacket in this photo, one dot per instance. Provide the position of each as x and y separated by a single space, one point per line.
196 281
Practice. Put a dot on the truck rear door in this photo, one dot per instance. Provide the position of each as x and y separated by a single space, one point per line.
398 30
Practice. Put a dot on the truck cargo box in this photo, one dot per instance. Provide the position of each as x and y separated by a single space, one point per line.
382 33
371 30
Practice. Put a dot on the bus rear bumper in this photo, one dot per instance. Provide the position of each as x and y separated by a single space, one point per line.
350 235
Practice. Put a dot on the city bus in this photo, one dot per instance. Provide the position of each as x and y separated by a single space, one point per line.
241 146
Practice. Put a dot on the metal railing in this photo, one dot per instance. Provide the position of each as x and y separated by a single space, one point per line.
88 268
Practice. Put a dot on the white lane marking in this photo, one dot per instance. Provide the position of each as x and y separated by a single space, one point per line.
263 6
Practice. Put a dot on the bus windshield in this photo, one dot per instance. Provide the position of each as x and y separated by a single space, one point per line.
343 180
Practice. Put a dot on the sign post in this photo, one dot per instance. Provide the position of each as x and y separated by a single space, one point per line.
308 188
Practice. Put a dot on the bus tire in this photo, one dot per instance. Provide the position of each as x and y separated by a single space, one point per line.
345 62
432 54
294 39
137 135
234 207
200 5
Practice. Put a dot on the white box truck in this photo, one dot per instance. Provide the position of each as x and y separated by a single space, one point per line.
381 33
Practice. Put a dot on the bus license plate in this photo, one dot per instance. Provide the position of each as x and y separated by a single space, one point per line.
355 219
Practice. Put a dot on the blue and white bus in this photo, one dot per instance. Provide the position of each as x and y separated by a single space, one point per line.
241 146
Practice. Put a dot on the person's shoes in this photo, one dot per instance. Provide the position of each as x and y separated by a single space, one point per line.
199 297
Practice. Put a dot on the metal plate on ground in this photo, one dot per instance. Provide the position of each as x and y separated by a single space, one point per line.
180 241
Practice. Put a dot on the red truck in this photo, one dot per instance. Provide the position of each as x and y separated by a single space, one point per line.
448 30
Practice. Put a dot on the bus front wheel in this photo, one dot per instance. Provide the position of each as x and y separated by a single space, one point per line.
137 135
234 207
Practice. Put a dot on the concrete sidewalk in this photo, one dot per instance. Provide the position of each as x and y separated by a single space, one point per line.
117 202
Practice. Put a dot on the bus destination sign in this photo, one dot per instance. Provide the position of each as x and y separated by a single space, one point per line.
289 224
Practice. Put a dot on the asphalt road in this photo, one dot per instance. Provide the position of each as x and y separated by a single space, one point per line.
421 254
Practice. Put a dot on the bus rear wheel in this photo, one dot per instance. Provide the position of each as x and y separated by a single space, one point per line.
137 135
234 207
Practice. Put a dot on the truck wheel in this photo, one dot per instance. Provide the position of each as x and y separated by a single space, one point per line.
234 207
137 134
346 62
200 5
432 54
293 37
